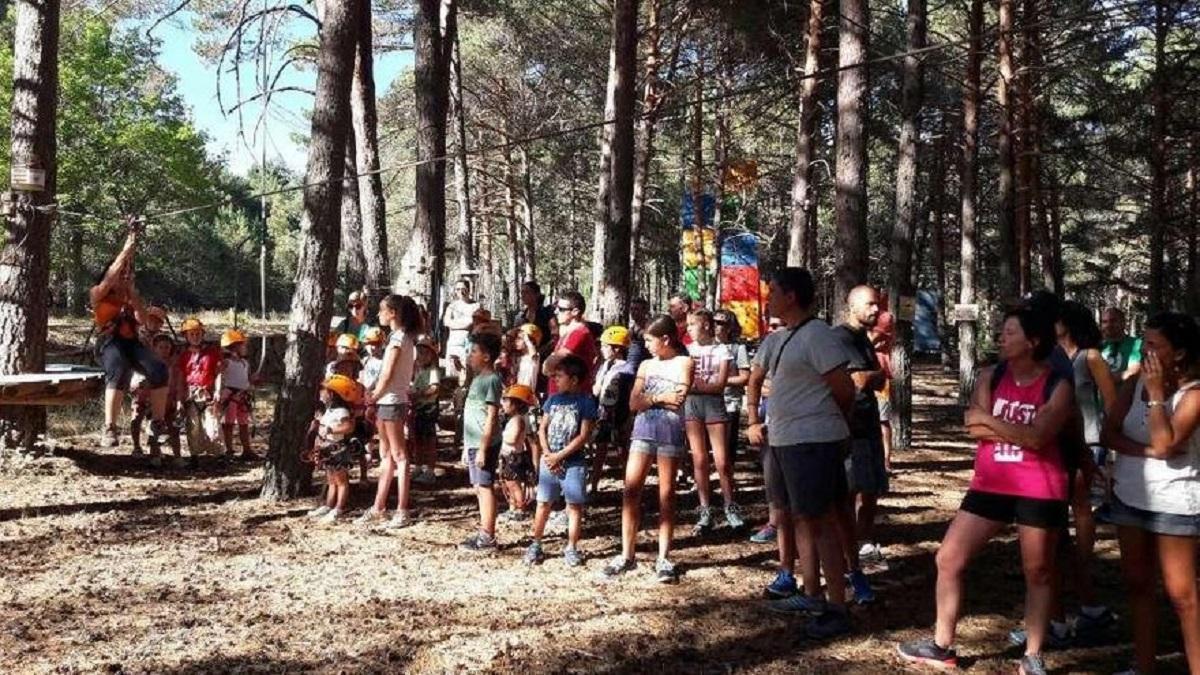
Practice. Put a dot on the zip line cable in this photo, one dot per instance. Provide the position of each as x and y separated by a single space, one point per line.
666 110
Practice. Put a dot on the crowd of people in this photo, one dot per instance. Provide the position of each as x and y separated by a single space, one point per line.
1077 423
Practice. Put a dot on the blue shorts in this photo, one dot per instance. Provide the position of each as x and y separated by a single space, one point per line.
1120 514
572 485
485 477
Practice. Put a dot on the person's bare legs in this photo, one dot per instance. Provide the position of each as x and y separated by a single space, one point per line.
387 471
244 437
227 436
666 503
1037 560
1139 554
598 460
966 536
398 448
540 516
696 436
487 509
718 437
808 530
113 398
631 500
574 524
1177 559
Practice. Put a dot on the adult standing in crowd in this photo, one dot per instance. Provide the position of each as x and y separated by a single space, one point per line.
1156 483
117 310
1122 352
866 473
678 307
458 317
811 397
534 311
574 337
355 322
639 318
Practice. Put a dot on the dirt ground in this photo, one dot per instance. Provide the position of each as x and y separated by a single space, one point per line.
111 566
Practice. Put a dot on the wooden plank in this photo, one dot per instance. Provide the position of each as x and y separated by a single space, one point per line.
49 388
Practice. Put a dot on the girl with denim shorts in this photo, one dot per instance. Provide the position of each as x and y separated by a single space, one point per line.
658 396
1156 482
705 419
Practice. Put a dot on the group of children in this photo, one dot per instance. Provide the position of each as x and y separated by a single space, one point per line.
209 392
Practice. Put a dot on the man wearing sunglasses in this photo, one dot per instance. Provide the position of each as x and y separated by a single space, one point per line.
356 322
573 338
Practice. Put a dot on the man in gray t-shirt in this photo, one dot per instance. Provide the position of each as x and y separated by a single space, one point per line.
811 396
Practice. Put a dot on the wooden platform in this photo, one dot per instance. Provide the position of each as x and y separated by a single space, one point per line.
59 387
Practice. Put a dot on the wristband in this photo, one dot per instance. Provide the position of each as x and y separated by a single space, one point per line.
1155 404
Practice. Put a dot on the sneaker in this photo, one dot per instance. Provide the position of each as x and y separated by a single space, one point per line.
480 541
783 586
556 524
871 554
370 517
828 624
331 516
1032 664
1056 639
798 604
110 438
399 519
665 572
927 652
733 517
158 432
319 511
534 554
573 557
765 535
248 457
617 566
1095 630
704 519
863 593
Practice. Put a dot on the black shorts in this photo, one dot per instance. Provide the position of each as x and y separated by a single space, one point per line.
1047 514
120 357
807 479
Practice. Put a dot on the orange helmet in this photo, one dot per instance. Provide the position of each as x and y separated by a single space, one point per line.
617 336
232 337
374 336
521 393
348 341
532 330
189 324
345 387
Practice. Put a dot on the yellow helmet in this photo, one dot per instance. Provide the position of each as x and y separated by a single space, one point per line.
189 324
617 336
521 393
532 330
345 387
232 337
374 336
348 341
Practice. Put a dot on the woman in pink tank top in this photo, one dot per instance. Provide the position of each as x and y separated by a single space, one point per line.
1019 477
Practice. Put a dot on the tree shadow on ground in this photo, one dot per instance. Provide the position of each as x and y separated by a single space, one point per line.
138 466
217 496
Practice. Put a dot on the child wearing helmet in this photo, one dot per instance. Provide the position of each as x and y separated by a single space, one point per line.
372 366
199 364
164 348
516 466
234 404
423 415
613 382
346 361
339 443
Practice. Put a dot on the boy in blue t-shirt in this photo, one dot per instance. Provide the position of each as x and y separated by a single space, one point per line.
567 420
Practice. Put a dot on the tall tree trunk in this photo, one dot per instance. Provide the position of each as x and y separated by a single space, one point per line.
645 132
696 135
25 256
967 186
802 235
1055 226
285 475
1192 223
351 260
510 215
530 257
604 185
434 27
1029 135
462 183
372 208
1007 269
1048 246
900 282
614 295
1158 160
937 225
850 201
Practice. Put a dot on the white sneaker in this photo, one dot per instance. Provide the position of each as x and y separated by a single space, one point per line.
399 519
370 517
331 516
319 511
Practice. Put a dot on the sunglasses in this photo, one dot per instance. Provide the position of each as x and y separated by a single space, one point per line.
721 322
357 305
563 309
